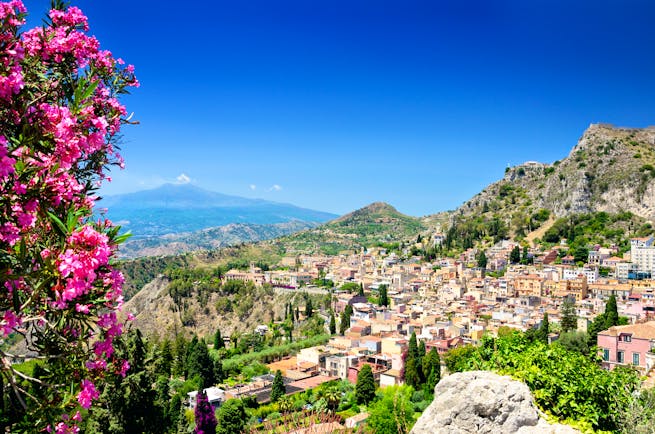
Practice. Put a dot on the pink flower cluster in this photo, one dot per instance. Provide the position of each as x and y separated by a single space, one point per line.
79 264
59 116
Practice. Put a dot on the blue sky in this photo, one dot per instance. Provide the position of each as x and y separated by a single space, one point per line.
335 104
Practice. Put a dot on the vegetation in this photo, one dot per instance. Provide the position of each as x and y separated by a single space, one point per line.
569 385
393 413
60 122
278 389
365 388
205 418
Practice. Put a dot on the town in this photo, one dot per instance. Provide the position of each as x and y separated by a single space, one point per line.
451 302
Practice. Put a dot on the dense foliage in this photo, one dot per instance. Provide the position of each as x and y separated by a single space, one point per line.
59 122
566 384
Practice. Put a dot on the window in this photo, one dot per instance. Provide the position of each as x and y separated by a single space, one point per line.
606 354
619 356
635 359
627 338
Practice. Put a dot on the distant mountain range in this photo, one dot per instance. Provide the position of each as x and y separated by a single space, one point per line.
175 209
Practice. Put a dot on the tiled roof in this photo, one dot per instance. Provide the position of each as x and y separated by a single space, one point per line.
640 331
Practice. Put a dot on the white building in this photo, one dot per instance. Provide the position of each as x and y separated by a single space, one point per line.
642 253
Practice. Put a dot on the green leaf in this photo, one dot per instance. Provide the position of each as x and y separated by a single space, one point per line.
58 223
122 238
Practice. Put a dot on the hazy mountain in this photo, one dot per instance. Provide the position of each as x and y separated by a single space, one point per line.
174 209
208 239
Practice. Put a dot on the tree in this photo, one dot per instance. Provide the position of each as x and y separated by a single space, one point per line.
611 313
432 369
482 260
365 388
411 373
394 413
201 364
569 319
59 125
344 323
231 417
309 309
332 396
218 340
164 362
360 292
544 329
333 324
204 415
384 298
574 341
515 255
278 389
179 361
130 403
525 257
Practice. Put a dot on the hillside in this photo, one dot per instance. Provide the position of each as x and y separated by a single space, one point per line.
174 209
609 170
377 223
208 239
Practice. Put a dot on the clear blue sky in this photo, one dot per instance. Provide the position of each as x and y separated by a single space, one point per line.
341 103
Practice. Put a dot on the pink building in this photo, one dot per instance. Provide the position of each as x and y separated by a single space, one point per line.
628 345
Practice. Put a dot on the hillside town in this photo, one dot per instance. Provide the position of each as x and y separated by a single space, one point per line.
452 302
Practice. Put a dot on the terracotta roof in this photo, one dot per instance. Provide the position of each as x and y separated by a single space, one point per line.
640 331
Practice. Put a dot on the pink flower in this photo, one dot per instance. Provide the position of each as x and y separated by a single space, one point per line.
125 366
9 322
87 394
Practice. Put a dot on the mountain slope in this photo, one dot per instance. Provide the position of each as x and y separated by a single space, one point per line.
610 169
173 209
208 239
376 223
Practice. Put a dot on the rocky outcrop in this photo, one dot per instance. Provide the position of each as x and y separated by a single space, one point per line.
610 169
484 402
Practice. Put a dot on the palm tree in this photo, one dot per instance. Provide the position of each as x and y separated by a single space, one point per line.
285 404
332 397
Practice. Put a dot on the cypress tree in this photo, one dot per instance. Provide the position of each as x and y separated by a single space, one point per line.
365 388
309 309
278 388
544 329
413 347
344 323
411 374
361 290
384 298
569 320
432 370
611 313
218 340
515 255
333 323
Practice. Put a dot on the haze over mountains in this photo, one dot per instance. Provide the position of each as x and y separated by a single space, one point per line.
610 169
177 218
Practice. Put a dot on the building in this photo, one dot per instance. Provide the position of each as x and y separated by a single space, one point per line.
628 345
529 284
642 254
215 397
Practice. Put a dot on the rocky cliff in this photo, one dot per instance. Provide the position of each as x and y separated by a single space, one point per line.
484 402
609 169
